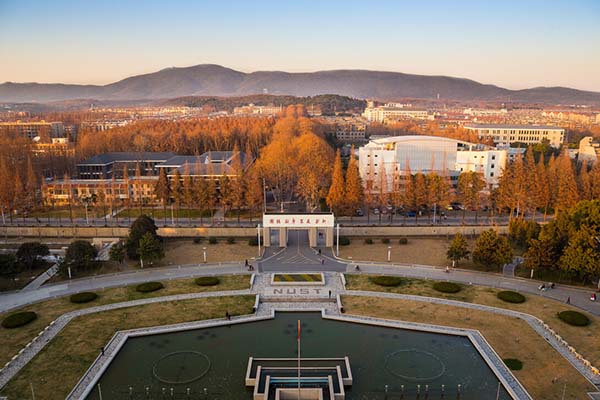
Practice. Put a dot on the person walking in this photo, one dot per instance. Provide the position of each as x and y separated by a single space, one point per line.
330 294
569 300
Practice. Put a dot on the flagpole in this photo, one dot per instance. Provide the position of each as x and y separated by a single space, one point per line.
298 359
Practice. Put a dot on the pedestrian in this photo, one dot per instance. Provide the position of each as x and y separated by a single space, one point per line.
246 263
227 316
322 261
330 294
569 300
447 269
319 251
357 268
102 350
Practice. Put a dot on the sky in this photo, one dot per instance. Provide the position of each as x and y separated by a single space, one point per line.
514 44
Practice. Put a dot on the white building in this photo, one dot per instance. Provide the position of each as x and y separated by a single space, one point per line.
392 112
503 135
252 109
589 150
426 154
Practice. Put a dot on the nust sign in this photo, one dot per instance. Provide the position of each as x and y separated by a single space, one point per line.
298 220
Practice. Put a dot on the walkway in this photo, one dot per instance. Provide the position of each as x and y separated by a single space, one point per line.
578 297
42 278
13 300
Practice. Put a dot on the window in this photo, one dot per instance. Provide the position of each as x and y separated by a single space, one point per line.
492 166
491 174
493 157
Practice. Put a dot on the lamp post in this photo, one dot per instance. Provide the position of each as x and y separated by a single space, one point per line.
389 258
204 253
258 232
337 244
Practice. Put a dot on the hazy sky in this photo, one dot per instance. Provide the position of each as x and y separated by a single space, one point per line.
514 44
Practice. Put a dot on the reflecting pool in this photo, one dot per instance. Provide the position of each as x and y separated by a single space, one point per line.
211 363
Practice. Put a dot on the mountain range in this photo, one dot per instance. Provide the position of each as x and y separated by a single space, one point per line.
216 80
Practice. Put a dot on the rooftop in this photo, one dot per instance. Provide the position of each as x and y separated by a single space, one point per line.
512 126
108 158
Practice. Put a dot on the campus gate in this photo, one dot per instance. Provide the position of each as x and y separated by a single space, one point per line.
316 223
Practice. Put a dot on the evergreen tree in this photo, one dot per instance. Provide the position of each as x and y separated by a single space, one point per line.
492 250
566 196
336 196
354 188
162 191
188 191
150 249
117 252
142 225
458 250
177 192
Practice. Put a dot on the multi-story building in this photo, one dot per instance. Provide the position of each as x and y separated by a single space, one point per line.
589 150
504 135
103 175
107 165
351 132
41 131
252 109
401 155
390 112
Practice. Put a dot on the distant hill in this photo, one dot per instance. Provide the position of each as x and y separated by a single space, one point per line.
215 80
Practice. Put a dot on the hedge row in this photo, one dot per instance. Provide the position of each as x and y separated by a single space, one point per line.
83 297
511 297
388 281
149 287
447 287
574 318
18 319
513 364
207 281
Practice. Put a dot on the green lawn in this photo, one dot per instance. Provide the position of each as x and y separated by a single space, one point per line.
160 213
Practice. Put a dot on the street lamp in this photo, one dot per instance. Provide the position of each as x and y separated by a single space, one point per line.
389 253
204 253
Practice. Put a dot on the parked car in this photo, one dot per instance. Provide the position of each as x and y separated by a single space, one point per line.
359 212
376 211
411 213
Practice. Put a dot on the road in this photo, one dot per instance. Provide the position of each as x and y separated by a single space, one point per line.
453 218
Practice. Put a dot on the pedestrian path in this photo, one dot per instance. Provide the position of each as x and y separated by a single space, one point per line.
41 278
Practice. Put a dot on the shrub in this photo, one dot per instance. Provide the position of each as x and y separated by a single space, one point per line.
511 297
212 240
253 241
83 297
207 281
149 287
447 287
388 281
385 241
368 241
574 318
344 241
197 240
513 364
403 241
230 240
18 319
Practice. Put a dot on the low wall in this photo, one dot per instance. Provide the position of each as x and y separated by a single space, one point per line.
418 230
113 232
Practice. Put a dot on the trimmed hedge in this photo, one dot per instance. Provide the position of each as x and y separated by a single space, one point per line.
513 364
18 319
253 241
511 297
368 241
83 297
197 240
212 240
447 287
574 318
230 240
207 281
149 287
388 281
403 241
385 241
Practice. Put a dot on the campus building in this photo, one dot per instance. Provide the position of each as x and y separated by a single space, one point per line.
504 135
41 131
103 175
252 109
390 112
428 154
589 150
